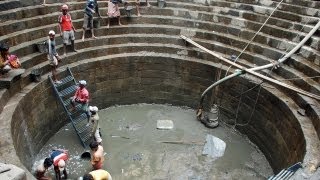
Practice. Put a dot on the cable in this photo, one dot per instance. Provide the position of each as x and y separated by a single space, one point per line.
254 35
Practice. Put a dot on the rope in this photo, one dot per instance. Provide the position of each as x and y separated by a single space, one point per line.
254 35
260 84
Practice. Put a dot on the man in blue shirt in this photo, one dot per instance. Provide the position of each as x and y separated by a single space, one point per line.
91 8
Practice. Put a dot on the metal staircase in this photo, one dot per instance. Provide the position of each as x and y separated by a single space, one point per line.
64 91
286 174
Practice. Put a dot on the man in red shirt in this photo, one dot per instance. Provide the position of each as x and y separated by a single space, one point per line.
66 28
82 97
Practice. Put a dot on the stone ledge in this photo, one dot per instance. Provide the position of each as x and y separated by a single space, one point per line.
11 172
12 76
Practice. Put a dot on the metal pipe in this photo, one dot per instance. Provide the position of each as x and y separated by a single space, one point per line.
237 73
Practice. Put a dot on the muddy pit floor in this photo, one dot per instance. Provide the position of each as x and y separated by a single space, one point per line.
134 148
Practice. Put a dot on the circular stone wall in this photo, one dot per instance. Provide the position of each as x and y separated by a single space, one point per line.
151 79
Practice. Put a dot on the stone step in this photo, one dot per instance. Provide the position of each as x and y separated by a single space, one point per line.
104 11
264 10
305 3
280 40
29 11
169 48
284 6
314 41
203 25
217 37
9 4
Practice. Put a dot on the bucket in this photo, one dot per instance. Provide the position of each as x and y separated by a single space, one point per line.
86 155
161 3
42 47
96 23
35 75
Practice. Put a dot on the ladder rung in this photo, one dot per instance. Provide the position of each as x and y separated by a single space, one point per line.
271 177
283 175
68 91
86 137
64 81
288 175
80 118
83 128
280 173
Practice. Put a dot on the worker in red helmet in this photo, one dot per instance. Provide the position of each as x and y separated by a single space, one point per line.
66 28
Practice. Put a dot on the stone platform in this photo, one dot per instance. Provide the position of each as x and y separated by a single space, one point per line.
10 172
12 76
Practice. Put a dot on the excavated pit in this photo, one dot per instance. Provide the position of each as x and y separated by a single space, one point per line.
161 80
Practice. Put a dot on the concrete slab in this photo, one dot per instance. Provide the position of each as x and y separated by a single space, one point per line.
164 124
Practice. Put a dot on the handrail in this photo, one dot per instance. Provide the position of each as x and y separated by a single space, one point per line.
251 70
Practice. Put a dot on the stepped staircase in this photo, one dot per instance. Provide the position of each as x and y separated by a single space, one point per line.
64 91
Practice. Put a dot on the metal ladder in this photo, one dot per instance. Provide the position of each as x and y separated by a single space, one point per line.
78 118
286 173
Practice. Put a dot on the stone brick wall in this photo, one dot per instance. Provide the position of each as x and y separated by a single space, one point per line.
154 79
36 118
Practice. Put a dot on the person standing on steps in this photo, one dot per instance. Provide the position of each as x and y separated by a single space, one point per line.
66 28
97 155
94 120
113 11
53 56
91 8
137 2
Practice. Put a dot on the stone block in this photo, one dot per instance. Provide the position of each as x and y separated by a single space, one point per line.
165 124
11 77
11 172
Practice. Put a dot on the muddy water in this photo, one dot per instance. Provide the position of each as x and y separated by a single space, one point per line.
144 156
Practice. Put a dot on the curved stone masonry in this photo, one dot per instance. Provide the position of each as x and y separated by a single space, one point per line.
237 42
307 128
285 6
126 79
272 42
257 38
253 48
177 5
309 71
